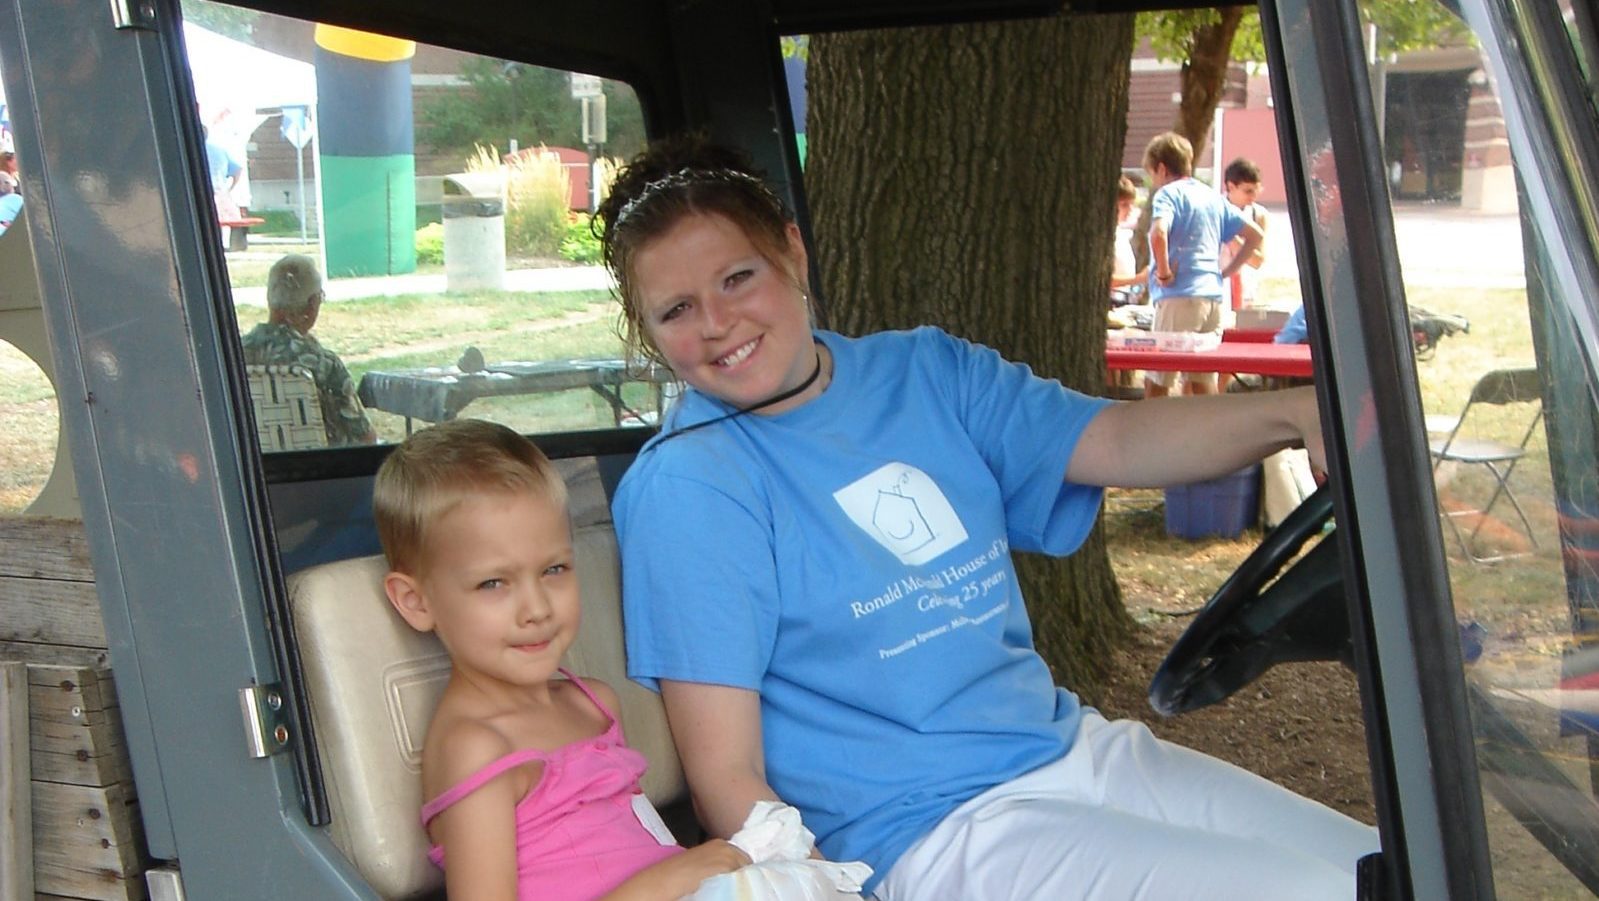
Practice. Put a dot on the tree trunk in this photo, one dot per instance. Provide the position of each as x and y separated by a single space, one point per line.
1203 77
965 177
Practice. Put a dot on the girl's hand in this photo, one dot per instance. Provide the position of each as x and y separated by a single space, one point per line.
680 874
713 858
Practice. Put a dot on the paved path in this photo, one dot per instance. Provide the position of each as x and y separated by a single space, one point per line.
564 278
1438 246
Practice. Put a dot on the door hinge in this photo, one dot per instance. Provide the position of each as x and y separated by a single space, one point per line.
133 14
164 883
266 720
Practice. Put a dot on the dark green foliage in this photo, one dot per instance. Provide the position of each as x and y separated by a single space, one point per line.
1401 25
228 21
278 222
430 244
531 104
580 244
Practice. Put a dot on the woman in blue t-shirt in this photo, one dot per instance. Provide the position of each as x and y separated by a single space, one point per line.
817 578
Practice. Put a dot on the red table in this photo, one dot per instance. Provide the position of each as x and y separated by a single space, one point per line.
1282 360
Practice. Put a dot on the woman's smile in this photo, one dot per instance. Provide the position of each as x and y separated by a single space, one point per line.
729 320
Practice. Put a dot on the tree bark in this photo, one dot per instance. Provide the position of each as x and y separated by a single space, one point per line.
1204 75
964 176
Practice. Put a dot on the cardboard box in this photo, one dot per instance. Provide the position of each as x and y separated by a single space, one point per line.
1262 318
1186 341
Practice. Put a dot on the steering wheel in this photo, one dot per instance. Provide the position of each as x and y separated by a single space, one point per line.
1247 626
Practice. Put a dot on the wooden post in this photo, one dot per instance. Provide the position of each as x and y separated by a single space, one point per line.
16 791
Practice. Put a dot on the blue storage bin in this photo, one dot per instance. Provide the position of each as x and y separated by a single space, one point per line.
1221 508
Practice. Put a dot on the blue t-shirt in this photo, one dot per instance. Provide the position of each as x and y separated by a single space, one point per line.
221 164
1199 220
850 561
1294 331
10 209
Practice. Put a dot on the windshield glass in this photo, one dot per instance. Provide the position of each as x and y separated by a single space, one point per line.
408 227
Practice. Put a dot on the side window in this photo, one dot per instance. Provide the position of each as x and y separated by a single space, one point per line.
29 450
406 230
1510 428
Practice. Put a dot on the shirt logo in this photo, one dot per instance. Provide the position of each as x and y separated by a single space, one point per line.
903 509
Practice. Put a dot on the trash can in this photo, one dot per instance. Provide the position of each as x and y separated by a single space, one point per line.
474 231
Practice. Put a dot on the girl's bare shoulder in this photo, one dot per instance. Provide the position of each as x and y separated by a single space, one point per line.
457 745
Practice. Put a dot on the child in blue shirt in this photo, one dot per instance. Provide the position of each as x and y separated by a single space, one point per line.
1189 223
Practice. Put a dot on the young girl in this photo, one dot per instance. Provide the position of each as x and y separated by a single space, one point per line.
835 517
534 793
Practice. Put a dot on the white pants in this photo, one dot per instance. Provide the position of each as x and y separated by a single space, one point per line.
1287 481
1124 815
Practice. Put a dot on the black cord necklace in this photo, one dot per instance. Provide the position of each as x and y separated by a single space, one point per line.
770 401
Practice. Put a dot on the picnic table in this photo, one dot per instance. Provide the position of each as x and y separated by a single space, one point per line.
239 231
1281 360
437 393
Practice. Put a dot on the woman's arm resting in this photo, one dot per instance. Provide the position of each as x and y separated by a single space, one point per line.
1176 440
717 730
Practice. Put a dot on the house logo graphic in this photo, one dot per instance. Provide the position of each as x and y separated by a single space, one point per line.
904 511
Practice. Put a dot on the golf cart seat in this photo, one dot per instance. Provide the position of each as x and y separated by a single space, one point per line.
373 683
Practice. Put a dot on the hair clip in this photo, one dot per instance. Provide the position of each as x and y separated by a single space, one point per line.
685 177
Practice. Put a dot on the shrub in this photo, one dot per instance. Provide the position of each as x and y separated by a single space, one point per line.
537 195
430 244
278 222
580 245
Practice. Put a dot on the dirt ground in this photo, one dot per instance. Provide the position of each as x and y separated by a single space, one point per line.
1311 711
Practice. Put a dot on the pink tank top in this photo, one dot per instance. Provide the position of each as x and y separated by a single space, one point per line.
577 835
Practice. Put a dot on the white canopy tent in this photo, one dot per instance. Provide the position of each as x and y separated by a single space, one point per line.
240 86
5 121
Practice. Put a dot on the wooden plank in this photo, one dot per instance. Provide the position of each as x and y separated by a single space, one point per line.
99 887
88 841
65 688
16 794
76 726
42 547
50 610
52 654
83 755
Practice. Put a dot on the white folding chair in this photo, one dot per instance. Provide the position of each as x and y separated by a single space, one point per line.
1464 444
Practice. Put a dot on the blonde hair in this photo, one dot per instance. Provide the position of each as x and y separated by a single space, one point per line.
437 468
674 178
1172 150
291 283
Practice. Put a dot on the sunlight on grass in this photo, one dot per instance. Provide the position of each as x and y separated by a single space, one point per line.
382 327
31 425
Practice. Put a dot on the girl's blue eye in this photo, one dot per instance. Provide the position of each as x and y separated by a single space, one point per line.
557 569
490 584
